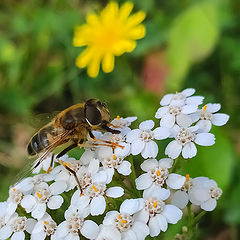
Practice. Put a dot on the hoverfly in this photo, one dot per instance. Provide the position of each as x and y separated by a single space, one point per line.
72 126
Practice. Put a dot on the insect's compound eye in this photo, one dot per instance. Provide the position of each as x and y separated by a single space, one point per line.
93 115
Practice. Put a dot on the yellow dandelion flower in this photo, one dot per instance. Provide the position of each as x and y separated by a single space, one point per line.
110 34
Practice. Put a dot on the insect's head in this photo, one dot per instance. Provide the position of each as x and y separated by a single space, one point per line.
97 115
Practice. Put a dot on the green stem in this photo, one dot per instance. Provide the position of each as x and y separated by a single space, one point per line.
133 178
175 165
198 217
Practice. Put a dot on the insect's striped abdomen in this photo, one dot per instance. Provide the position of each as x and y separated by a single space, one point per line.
39 141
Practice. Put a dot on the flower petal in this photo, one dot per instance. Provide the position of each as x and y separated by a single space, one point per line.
205 139
109 218
150 150
213 107
167 120
154 227
39 210
161 112
146 125
108 62
204 126
156 192
143 181
172 213
55 202
180 199
89 229
28 202
194 100
137 146
115 192
162 222
188 109
166 99
209 205
141 230
124 168
161 133
165 163
149 164
97 205
58 187
183 120
219 119
18 236
173 149
189 150
5 232
62 229
188 92
131 206
175 181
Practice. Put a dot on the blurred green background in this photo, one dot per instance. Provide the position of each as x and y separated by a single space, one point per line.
188 44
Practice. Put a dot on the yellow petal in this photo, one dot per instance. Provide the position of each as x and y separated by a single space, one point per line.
135 19
125 10
92 19
80 36
124 46
94 65
84 58
108 62
109 12
137 32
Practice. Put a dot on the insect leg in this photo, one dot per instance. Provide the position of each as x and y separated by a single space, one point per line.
66 165
51 164
110 144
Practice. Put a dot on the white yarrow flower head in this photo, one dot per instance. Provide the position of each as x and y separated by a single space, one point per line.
44 196
205 193
156 213
122 124
45 227
182 98
75 223
122 224
156 175
93 197
185 139
16 226
207 116
142 139
112 162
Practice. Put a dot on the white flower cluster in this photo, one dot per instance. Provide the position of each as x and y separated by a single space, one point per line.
35 203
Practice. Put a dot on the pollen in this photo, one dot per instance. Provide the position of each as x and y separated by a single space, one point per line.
39 195
95 189
158 173
114 157
45 222
118 117
155 204
124 221
119 216
205 108
14 189
187 177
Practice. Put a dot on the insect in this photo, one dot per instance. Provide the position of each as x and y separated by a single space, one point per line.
72 126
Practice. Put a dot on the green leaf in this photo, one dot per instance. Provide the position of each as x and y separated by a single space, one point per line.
215 162
192 38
